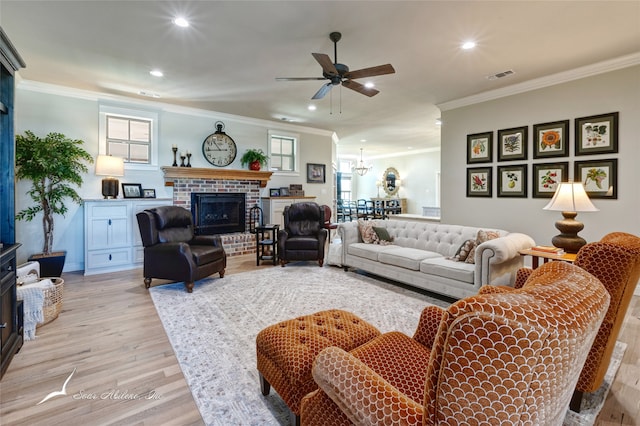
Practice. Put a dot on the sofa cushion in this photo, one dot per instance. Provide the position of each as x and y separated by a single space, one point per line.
368 251
464 250
482 237
442 267
367 233
383 236
406 257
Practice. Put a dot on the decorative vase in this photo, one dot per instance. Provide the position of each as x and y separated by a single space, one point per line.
254 165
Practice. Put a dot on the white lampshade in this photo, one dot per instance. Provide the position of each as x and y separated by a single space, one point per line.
571 197
107 165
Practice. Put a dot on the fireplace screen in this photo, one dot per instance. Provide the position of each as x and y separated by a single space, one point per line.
218 213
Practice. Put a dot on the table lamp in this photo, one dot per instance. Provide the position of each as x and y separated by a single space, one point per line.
107 165
570 198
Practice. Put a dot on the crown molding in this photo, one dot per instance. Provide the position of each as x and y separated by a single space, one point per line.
88 95
542 82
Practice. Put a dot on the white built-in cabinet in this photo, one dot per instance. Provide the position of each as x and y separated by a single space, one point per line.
273 208
112 238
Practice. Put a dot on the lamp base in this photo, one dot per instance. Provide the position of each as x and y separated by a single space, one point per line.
110 187
568 238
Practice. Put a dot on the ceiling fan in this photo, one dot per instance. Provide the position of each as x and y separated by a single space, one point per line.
338 73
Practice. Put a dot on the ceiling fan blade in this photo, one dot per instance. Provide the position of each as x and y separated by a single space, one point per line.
323 91
370 72
325 62
299 78
360 88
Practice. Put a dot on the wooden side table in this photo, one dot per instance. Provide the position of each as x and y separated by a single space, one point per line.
267 243
537 256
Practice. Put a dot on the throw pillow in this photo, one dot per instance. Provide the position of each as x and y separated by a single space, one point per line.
481 238
367 232
383 234
463 251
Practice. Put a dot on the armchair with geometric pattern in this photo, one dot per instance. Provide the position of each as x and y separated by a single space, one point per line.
506 357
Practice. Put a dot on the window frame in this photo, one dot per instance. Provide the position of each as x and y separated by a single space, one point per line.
131 114
296 151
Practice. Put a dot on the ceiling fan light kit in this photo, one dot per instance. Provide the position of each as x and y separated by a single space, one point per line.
339 74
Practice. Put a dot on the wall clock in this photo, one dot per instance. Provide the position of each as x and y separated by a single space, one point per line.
219 148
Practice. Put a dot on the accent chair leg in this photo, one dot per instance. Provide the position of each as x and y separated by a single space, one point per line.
282 262
265 387
320 262
189 286
222 273
147 283
576 401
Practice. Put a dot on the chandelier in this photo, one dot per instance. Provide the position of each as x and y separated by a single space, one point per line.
361 169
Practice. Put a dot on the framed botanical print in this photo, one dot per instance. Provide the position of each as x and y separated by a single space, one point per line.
599 177
512 143
547 177
551 139
597 134
512 181
480 148
479 182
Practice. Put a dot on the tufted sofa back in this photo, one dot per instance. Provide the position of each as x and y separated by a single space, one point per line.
440 238
521 350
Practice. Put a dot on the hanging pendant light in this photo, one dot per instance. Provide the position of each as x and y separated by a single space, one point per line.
361 169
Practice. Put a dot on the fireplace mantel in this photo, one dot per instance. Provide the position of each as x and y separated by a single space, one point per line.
171 173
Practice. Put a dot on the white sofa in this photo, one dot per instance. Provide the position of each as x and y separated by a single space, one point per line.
420 256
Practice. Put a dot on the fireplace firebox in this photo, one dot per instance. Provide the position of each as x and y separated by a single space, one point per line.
218 213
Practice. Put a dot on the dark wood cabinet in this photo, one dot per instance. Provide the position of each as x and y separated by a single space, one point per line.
11 312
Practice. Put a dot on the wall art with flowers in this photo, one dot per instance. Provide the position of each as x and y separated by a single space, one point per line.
479 182
480 148
551 139
597 134
547 177
512 143
599 177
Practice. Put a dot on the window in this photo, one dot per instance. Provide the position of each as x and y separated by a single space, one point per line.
130 134
283 152
129 138
344 181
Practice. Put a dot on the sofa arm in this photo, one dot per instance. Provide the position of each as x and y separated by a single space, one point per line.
362 394
498 260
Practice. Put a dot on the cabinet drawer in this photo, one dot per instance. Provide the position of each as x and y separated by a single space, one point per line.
108 258
110 211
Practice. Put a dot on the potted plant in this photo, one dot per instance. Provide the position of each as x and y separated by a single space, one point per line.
52 164
254 158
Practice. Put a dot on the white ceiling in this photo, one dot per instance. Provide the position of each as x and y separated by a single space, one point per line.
227 61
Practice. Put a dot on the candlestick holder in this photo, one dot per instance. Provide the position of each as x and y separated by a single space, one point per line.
175 151
188 159
182 157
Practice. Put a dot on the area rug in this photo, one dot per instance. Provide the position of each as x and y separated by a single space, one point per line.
213 330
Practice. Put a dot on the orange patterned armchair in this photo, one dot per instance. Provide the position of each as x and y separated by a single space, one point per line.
615 261
506 357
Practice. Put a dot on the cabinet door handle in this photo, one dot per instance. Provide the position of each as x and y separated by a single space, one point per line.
109 222
109 257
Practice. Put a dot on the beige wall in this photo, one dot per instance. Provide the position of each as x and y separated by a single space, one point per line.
604 93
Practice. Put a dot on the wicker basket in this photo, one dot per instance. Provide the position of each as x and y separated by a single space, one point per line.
52 301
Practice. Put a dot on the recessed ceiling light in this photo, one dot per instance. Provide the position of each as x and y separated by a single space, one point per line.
181 22
439 121
311 107
156 73
369 85
467 45
363 140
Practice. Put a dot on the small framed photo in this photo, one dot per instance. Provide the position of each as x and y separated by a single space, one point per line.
479 182
315 173
547 177
512 181
274 192
512 143
480 148
599 177
551 139
284 192
132 190
597 134
149 193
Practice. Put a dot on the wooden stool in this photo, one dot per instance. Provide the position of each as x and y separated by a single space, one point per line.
285 351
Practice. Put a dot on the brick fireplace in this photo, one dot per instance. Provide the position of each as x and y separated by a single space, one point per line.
186 180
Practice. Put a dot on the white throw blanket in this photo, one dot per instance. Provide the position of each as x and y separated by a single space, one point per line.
33 297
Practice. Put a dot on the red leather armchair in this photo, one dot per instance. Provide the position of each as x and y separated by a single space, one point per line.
173 252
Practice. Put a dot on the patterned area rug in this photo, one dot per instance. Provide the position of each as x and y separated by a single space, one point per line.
213 330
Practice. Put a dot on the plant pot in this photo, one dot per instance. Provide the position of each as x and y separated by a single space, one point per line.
50 265
254 165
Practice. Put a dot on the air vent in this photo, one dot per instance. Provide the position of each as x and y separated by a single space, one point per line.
501 74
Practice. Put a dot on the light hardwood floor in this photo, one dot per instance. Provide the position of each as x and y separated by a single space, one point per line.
110 333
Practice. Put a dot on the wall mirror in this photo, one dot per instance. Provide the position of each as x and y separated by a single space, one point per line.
390 181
